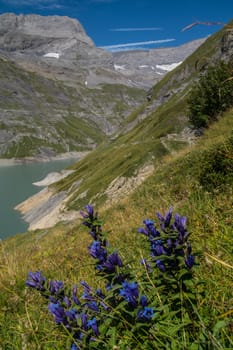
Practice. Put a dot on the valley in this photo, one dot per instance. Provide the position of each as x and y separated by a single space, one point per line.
145 163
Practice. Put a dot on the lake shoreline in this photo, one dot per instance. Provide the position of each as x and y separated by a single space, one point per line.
42 159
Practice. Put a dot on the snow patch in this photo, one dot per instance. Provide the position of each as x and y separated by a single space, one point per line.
52 55
117 67
146 66
168 67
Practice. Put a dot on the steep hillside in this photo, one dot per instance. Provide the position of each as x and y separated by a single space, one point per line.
158 128
48 102
153 165
41 116
61 252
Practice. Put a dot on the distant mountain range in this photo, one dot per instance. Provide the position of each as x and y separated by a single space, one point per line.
58 47
146 67
59 92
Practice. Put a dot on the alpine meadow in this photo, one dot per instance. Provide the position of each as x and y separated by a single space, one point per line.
136 254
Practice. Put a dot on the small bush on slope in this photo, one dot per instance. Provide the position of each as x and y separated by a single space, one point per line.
211 95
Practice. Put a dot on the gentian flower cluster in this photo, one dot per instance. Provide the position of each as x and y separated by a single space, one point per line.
169 245
106 263
110 266
67 309
83 315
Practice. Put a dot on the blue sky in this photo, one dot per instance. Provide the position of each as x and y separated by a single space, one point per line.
133 24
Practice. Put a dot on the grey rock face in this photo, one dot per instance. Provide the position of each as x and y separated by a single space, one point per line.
149 66
59 92
50 27
58 47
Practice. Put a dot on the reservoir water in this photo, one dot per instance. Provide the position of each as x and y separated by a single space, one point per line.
16 185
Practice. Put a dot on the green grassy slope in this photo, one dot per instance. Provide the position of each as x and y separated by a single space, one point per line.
196 181
179 181
165 113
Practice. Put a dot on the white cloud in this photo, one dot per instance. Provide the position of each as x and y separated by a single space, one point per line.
134 46
48 4
134 29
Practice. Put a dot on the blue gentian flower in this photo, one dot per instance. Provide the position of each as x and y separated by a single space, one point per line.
97 252
189 261
169 244
59 313
112 262
87 292
143 300
72 314
67 301
165 221
84 321
145 314
92 305
94 326
89 212
180 226
149 229
157 248
100 294
74 295
87 288
74 347
36 280
160 265
55 287
130 292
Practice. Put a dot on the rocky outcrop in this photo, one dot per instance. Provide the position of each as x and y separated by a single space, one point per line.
46 208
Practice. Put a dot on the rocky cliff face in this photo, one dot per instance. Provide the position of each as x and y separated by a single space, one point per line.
58 47
59 92
55 46
32 26
149 66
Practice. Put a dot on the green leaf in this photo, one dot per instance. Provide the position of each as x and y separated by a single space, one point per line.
218 326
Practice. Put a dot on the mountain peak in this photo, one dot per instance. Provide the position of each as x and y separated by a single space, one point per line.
43 26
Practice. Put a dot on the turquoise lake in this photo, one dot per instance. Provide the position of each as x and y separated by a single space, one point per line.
16 185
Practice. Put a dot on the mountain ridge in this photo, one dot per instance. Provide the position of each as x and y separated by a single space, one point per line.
58 92
157 129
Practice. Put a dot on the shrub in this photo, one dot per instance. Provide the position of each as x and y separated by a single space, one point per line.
216 169
211 95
